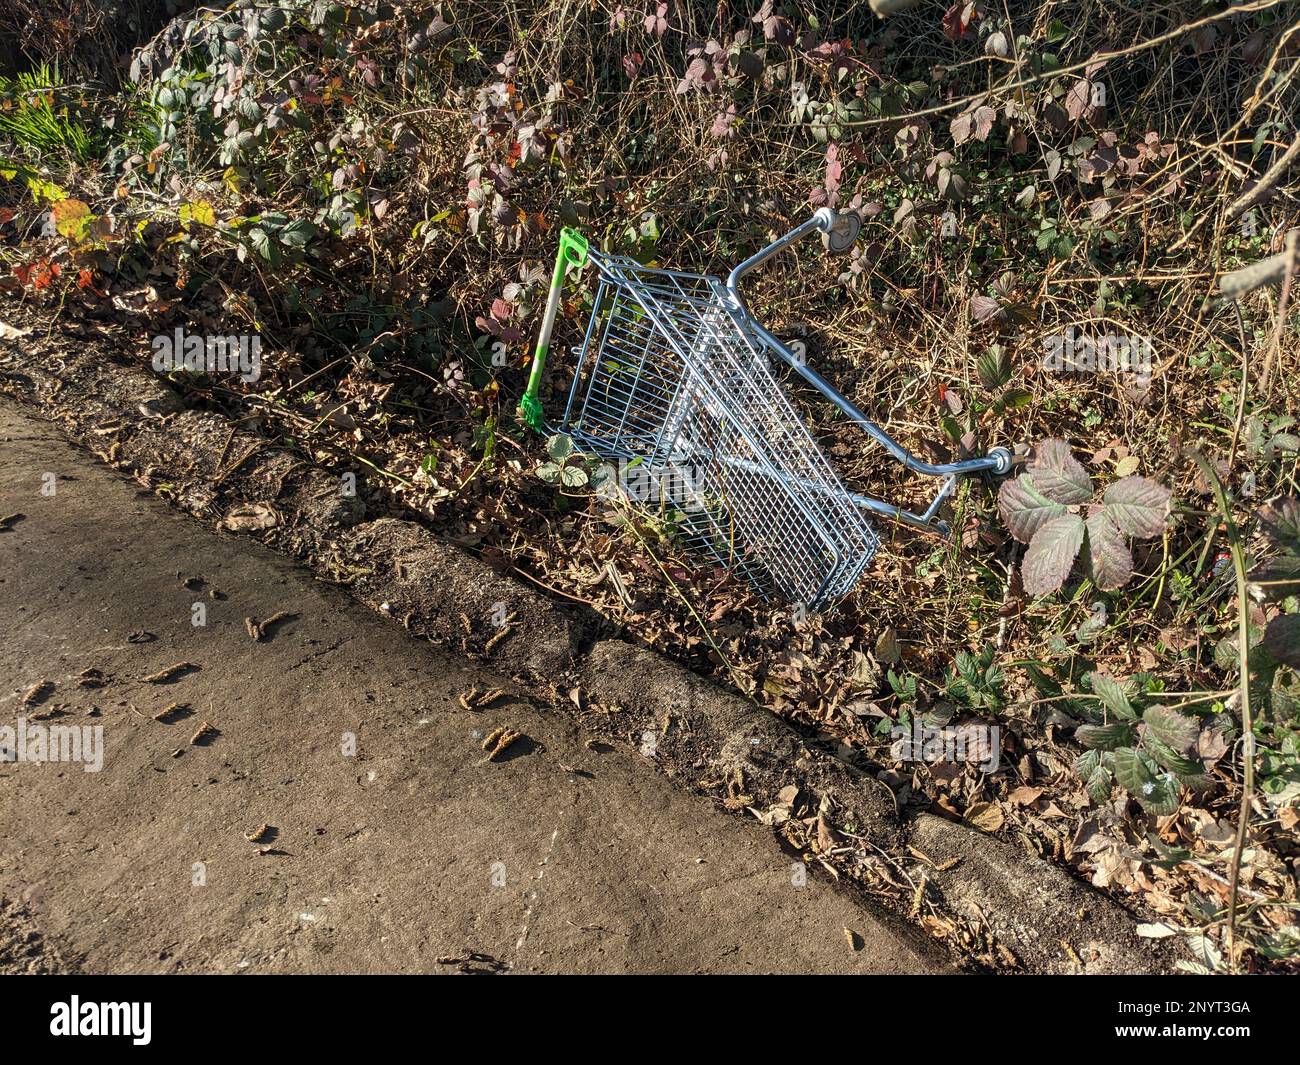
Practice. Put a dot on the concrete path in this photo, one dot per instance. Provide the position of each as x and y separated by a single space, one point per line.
393 844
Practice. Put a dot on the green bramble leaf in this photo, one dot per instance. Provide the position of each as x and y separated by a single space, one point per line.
1176 731
1280 522
1132 771
1086 764
1189 770
1106 737
573 477
1282 639
559 447
1112 695
1100 783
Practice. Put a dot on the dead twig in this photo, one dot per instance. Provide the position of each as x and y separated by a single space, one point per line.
259 629
171 672
1247 718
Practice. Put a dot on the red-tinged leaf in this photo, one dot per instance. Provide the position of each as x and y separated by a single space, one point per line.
983 124
984 309
1139 506
1282 639
957 20
834 168
1078 99
657 22
1058 474
1024 509
1110 563
1051 554
1280 521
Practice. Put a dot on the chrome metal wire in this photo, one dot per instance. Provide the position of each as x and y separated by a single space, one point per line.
675 378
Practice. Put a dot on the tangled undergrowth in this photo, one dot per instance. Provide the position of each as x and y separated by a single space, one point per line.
1061 207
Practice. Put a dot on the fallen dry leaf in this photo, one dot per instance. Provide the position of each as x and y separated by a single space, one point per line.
986 816
1024 795
250 517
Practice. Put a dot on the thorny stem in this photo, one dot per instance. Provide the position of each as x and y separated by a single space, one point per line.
1247 718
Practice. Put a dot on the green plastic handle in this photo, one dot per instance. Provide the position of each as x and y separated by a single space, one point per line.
573 252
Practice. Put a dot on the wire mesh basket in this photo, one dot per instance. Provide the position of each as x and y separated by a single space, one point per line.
675 385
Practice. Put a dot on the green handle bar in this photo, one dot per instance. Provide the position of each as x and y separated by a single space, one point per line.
573 252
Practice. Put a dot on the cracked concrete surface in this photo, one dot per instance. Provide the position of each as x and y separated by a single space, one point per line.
415 853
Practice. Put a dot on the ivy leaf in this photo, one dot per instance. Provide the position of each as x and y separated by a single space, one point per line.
1051 553
1110 563
1058 474
1106 737
1024 509
1176 731
1112 695
1139 506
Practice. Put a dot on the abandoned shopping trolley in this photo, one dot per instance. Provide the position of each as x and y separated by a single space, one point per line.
674 375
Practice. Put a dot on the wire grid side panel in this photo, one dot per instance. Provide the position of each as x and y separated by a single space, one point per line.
736 361
738 509
635 376
678 378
